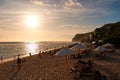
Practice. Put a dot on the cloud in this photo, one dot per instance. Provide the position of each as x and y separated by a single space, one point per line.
76 28
110 0
40 2
69 26
61 4
72 4
44 3
71 7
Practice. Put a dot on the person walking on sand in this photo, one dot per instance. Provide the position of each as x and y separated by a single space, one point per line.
1 58
19 62
40 54
30 54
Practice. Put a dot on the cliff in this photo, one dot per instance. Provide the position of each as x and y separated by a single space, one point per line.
107 33
81 37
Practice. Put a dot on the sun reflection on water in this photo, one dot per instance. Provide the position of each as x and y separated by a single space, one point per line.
32 47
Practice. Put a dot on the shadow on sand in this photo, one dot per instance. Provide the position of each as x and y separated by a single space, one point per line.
14 75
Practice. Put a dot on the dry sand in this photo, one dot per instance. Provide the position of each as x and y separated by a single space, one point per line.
55 68
34 68
109 66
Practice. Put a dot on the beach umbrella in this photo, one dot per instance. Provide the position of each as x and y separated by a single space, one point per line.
108 45
86 44
78 47
64 52
101 49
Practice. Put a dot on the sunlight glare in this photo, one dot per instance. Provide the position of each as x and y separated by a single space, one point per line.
32 21
32 47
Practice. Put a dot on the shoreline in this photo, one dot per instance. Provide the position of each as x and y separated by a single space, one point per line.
45 68
50 67
53 50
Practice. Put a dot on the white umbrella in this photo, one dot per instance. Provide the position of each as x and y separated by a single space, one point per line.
108 45
64 52
78 47
101 48
86 44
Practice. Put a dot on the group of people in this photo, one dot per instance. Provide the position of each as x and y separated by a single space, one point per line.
19 61
87 67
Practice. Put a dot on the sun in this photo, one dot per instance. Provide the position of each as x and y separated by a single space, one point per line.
32 21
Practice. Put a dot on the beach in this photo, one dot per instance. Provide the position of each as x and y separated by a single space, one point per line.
55 68
59 39
34 68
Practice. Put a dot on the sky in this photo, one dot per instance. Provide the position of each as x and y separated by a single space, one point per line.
59 20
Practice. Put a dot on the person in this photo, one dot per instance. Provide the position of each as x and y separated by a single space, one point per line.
40 54
98 75
1 58
30 54
90 64
19 62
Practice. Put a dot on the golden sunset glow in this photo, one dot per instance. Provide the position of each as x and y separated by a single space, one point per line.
54 20
32 21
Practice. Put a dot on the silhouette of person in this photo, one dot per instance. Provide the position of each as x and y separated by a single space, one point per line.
1 58
40 54
98 75
19 62
30 54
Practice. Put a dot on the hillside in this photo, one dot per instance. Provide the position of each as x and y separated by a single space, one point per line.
107 33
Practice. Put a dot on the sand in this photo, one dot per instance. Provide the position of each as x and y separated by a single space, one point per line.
34 68
55 68
109 66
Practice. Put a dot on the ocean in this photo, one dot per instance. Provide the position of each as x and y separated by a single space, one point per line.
12 49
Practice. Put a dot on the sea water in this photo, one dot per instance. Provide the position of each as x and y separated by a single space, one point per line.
11 49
